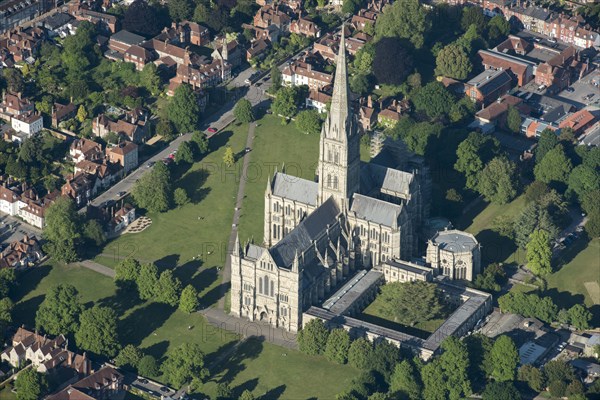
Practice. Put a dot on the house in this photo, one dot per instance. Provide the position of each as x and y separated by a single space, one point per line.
23 43
139 56
164 49
122 218
306 27
521 69
514 45
363 19
105 22
102 174
21 253
85 149
32 347
62 112
123 40
29 124
134 129
23 202
367 115
34 209
271 15
579 121
80 188
496 112
319 99
489 86
10 200
13 104
257 49
533 127
206 75
124 154
16 12
299 73
106 384
554 74
390 115
229 52
185 33
57 23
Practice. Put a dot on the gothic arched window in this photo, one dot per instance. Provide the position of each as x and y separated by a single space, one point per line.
328 180
335 182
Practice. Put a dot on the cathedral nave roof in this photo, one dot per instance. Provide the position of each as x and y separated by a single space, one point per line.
386 180
375 210
294 188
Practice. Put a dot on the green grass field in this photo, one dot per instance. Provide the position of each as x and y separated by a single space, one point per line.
495 248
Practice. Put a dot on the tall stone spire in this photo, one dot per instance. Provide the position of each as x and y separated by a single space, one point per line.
339 111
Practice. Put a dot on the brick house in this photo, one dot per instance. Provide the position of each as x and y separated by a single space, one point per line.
121 41
488 86
319 99
185 33
271 15
579 121
13 104
105 22
301 73
62 112
85 149
139 56
21 253
521 69
133 128
306 27
124 154
106 384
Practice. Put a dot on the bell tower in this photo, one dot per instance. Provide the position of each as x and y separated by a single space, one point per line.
339 147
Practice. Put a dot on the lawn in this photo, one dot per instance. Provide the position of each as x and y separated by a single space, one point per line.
274 146
577 280
479 220
273 372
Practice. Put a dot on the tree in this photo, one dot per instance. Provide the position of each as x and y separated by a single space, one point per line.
153 190
224 391
433 99
169 288
337 346
144 18
147 281
554 167
82 113
185 153
505 358
557 389
533 376
404 381
6 306
393 60
286 102
312 339
359 353
243 111
228 157
148 366
546 142
498 180
246 395
180 197
127 271
275 78
129 357
30 385
418 137
309 121
183 109
183 364
580 317
180 10
14 80
165 129
363 59
535 191
480 361
529 305
501 391
98 331
411 302
361 84
498 28
453 61
150 78
7 279
59 312
93 233
188 302
201 141
62 230
513 119
584 179
533 217
473 16
539 253
454 361
350 6
405 19
462 110
472 154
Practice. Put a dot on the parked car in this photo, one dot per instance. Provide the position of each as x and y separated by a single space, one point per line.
151 164
570 89
121 193
211 130
167 161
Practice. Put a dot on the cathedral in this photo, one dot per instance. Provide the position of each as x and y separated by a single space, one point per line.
354 215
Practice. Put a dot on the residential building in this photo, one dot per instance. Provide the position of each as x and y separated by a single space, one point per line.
319 99
134 128
139 56
533 127
521 69
121 41
29 124
257 49
185 33
21 253
124 154
299 73
63 112
489 86
405 271
23 44
229 52
306 27
105 384
495 113
13 104
80 188
16 12
367 115
85 149
107 23
579 121
271 15
122 218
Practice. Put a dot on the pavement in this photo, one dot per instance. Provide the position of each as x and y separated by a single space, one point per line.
13 229
94 266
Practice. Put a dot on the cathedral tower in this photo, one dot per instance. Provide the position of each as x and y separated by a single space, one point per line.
339 148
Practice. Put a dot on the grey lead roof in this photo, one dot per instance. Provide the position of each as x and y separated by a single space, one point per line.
455 241
302 236
374 210
387 180
127 37
294 188
253 251
408 266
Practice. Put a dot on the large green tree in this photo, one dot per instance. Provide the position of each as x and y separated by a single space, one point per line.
62 230
188 302
580 317
472 154
405 381
148 366
501 391
546 142
453 61
59 312
513 119
183 364
337 346
180 10
150 78
504 358
183 109
129 357
433 99
411 302
98 331
359 353
309 121
147 281
153 190
127 271
30 385
539 253
533 376
498 180
405 19
243 111
554 167
286 102
168 288
312 339
185 153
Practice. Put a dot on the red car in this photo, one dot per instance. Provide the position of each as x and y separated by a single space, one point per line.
211 130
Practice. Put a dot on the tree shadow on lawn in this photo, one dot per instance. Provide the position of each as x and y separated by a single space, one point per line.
199 280
157 350
567 255
125 298
564 299
143 322
212 296
495 247
467 218
274 394
167 262
248 385
212 361
193 182
28 281
232 365
24 312
219 140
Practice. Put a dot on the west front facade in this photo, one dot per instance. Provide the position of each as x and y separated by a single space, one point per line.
316 233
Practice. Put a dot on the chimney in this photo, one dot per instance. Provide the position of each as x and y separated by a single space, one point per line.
70 358
370 101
